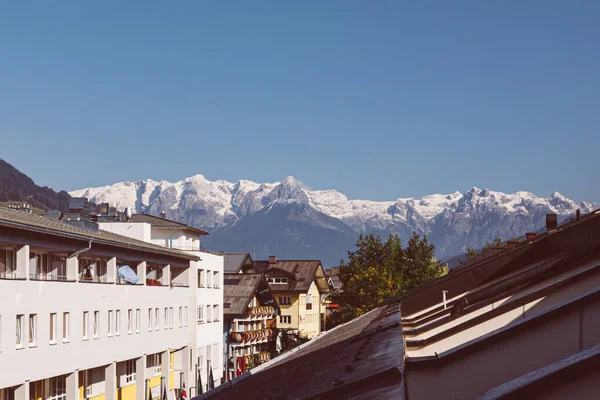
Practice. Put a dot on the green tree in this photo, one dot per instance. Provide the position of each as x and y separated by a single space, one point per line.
497 242
378 270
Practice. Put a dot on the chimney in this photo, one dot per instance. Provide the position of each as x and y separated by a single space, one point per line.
512 243
551 222
530 235
272 259
578 214
163 214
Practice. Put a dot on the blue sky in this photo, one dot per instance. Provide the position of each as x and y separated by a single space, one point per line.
378 99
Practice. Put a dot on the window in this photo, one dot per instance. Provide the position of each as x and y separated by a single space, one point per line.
32 330
185 316
285 319
171 318
156 321
96 324
216 315
309 301
216 279
118 323
7 264
66 326
138 316
149 319
129 321
85 325
110 322
154 362
57 388
93 382
208 314
200 315
130 370
20 327
166 319
52 328
201 278
208 278
180 317
277 280
285 300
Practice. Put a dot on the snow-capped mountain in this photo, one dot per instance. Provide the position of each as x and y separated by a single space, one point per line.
285 219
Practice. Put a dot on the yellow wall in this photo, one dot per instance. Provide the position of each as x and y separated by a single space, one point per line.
288 309
311 325
127 392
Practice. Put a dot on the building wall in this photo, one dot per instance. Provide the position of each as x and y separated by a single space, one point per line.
288 309
48 360
136 230
209 334
309 320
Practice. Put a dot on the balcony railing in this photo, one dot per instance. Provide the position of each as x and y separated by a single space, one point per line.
38 277
186 248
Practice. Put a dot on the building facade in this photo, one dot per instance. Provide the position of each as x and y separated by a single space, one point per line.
206 282
300 287
250 313
79 319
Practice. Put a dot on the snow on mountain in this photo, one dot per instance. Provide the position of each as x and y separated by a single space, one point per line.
453 221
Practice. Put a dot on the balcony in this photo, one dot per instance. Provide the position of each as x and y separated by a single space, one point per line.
50 277
186 248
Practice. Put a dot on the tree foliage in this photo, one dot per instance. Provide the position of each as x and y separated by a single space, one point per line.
378 270
497 242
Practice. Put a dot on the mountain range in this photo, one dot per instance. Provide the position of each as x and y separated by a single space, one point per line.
290 221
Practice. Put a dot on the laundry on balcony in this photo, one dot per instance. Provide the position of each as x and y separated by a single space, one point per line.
127 274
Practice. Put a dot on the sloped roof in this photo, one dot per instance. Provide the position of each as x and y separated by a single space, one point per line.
363 359
237 292
233 262
161 222
32 222
306 271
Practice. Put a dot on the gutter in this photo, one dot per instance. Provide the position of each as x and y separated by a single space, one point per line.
82 250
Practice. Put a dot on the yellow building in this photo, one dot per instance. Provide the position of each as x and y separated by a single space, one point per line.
299 287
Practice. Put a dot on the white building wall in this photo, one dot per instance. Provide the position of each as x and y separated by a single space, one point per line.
209 334
45 297
136 230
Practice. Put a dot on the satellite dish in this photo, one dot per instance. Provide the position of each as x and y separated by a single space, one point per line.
128 214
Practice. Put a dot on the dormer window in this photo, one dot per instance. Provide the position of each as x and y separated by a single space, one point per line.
277 280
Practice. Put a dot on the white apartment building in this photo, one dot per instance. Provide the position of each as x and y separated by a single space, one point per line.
73 327
207 338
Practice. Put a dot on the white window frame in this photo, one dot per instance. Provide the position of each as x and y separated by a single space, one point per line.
185 316
208 314
170 317
96 324
150 312
285 319
156 319
85 325
110 323
130 373
32 330
129 321
20 331
201 278
63 385
216 279
180 317
200 315
66 326
53 330
155 363
138 316
216 316
166 318
118 323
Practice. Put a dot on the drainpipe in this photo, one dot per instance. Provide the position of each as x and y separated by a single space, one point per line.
82 250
